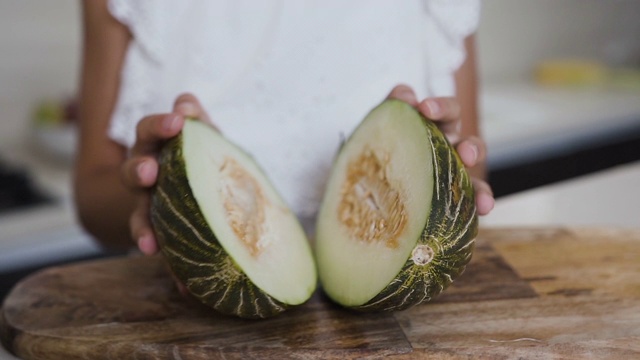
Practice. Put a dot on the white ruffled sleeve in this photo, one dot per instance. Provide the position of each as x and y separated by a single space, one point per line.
152 75
143 18
450 22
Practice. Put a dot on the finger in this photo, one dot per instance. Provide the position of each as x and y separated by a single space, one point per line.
141 228
189 106
153 130
139 172
404 93
180 286
147 244
444 110
484 196
472 150
440 108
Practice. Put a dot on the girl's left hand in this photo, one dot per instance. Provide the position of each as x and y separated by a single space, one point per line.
445 112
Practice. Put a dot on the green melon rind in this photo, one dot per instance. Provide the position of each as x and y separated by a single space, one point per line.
450 232
195 256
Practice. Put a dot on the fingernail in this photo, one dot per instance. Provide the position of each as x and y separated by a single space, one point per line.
184 291
187 108
405 95
486 203
171 122
143 169
474 150
147 244
434 107
405 92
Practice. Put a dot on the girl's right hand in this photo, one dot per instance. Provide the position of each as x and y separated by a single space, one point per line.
140 171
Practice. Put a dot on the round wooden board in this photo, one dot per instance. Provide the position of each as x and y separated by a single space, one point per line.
561 293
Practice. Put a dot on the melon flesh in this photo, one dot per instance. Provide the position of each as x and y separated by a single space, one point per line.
250 220
376 205
398 221
226 231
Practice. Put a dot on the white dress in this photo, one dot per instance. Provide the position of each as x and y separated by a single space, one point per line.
287 80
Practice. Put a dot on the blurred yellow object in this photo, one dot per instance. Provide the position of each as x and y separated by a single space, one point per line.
49 113
53 113
577 72
625 78
54 131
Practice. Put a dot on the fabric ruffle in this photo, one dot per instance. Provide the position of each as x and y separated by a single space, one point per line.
452 22
144 19
286 80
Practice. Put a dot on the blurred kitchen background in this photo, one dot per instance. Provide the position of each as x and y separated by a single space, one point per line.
560 104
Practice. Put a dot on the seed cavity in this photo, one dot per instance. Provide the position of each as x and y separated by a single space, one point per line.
371 207
422 255
245 203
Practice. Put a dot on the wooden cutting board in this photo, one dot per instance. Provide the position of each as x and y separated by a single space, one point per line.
527 293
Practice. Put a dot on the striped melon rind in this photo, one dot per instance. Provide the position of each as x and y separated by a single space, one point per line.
448 232
191 248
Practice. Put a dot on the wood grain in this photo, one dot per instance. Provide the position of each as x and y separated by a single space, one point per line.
530 293
588 304
129 308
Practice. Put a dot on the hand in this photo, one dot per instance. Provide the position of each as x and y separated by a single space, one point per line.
140 170
472 150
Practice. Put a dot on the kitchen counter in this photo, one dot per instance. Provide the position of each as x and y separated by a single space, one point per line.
522 122
607 198
45 233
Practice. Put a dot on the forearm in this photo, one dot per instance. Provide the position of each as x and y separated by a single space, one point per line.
467 94
104 206
103 203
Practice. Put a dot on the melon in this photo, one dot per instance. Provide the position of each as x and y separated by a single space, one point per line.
398 219
227 235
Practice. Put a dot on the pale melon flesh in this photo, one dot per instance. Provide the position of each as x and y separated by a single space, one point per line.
398 220
227 233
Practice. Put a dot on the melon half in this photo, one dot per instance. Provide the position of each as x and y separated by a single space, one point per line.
226 233
398 220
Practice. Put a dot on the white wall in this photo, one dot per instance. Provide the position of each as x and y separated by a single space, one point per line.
40 43
514 35
39 57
